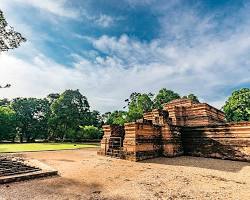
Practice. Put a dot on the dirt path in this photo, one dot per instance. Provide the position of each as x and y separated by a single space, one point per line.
84 175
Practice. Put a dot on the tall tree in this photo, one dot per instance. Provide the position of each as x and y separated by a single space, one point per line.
164 96
138 104
7 124
9 39
68 112
237 107
32 116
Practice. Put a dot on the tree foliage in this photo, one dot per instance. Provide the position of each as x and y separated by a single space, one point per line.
192 97
32 116
164 96
90 132
9 38
68 112
138 104
94 118
52 97
7 123
117 117
4 102
237 107
57 117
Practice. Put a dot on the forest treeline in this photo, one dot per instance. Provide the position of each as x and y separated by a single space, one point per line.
58 117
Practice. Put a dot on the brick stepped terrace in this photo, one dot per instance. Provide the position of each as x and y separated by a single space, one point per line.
9 167
183 127
14 169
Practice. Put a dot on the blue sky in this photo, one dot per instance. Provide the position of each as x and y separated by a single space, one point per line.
110 48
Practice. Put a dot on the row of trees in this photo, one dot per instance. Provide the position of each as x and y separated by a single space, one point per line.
65 116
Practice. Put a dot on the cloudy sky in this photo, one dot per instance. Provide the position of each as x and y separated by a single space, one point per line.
110 48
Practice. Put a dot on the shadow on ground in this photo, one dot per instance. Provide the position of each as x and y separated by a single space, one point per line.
72 189
199 162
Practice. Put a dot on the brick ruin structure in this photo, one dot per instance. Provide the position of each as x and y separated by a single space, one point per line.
15 168
183 127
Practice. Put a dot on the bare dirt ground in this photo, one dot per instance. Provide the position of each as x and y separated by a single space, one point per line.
84 175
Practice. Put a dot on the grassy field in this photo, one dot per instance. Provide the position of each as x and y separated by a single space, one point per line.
5 148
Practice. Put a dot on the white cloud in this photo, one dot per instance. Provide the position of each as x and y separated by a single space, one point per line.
107 81
198 60
104 21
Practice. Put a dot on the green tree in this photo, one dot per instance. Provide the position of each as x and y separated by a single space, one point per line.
94 118
164 96
138 104
68 112
117 117
7 124
237 107
52 97
192 97
4 102
9 39
91 132
32 116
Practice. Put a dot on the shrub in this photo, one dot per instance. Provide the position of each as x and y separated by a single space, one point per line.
91 132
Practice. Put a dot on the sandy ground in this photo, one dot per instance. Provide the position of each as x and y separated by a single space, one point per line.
84 175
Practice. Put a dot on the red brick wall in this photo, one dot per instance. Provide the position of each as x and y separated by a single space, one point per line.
142 141
226 141
187 113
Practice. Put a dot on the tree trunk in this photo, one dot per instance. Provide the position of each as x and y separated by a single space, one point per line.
21 138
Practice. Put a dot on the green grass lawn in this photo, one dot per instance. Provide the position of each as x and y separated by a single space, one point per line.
6 148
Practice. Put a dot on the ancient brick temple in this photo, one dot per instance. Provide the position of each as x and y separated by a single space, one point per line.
183 127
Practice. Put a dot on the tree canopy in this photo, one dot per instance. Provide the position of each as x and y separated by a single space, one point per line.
164 96
56 117
68 112
237 107
7 123
32 115
118 117
138 104
9 38
192 97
